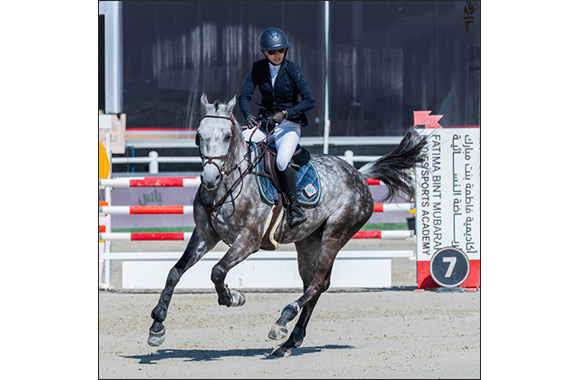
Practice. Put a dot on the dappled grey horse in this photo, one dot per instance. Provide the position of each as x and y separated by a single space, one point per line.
227 207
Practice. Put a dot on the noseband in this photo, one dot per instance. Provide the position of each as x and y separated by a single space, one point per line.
209 159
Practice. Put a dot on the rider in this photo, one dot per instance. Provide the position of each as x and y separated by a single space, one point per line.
280 81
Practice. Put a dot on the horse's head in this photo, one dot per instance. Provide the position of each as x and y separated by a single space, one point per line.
216 137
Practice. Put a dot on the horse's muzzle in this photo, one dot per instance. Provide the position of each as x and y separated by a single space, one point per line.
211 177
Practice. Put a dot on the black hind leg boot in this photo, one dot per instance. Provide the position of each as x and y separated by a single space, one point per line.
287 179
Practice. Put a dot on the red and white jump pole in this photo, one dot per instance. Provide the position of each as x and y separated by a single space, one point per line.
168 182
181 236
188 210
151 182
106 236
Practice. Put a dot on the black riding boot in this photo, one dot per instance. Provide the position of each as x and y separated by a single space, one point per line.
287 180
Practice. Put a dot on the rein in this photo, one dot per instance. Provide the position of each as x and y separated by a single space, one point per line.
252 163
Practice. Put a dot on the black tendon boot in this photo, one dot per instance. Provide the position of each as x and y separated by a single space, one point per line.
287 180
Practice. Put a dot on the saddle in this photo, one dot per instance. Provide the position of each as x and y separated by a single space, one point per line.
300 158
307 181
308 185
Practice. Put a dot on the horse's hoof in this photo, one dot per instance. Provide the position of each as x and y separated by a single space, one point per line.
277 332
156 338
280 352
238 298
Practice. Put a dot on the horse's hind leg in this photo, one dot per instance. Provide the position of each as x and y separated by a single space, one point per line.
308 251
196 248
338 230
299 332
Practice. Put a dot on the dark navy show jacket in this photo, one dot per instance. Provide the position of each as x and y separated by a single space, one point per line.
290 83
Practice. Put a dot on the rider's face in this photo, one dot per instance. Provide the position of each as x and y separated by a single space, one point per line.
275 56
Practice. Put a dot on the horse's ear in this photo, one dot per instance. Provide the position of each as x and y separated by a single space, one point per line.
205 106
231 104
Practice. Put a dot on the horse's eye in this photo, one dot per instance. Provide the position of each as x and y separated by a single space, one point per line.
227 137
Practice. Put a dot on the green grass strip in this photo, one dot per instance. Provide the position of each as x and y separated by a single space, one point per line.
153 229
384 227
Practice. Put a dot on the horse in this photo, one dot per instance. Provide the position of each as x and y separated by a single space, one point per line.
227 208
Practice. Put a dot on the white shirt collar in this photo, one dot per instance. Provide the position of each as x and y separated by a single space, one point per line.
274 72
274 68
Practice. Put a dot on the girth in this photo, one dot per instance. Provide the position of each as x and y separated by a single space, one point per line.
275 215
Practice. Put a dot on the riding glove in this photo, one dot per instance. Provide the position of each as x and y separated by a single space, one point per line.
278 117
252 121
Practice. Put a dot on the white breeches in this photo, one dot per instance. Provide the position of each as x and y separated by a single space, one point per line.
285 137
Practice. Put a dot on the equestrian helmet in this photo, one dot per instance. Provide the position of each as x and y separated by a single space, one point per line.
273 39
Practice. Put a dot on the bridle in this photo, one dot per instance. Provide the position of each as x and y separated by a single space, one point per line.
242 174
209 159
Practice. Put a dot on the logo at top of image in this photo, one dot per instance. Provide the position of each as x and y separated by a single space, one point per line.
468 17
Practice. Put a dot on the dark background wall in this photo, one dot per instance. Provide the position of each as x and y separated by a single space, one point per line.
387 59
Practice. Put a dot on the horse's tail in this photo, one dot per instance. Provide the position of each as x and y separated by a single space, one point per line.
393 169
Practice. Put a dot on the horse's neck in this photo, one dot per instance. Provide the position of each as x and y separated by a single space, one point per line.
239 162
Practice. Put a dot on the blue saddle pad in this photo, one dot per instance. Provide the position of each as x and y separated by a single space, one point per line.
307 184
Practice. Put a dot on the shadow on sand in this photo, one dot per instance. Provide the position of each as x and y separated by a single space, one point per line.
209 355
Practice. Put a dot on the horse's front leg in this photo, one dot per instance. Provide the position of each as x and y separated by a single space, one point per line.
243 246
197 247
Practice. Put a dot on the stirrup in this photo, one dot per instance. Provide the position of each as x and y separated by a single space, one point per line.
295 215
